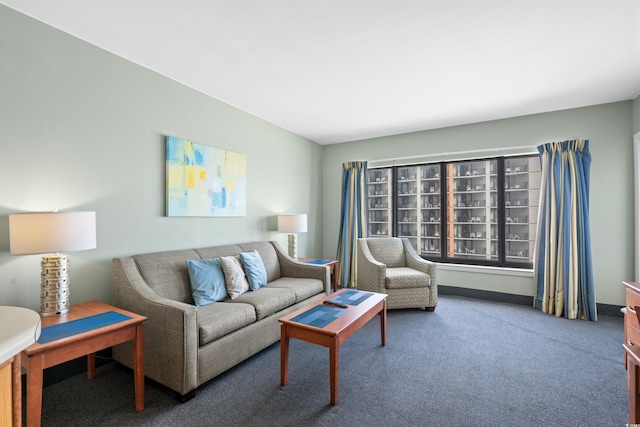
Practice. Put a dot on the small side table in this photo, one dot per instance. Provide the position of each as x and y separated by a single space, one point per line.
38 356
332 267
20 328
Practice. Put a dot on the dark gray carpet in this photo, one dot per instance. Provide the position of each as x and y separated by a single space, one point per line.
470 363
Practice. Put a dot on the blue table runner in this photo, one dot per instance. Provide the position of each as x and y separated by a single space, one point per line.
74 327
319 316
351 297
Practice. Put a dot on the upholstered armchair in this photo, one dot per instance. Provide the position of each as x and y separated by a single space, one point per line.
391 266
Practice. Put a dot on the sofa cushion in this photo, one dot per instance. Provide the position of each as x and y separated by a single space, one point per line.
207 281
405 277
254 269
303 288
234 277
267 300
219 319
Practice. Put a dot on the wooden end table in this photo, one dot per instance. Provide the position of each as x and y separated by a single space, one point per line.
333 334
38 357
332 267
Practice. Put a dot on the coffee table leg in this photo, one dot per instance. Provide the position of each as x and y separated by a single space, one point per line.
91 366
284 355
383 323
138 367
333 371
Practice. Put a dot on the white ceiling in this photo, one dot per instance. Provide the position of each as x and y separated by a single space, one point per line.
341 70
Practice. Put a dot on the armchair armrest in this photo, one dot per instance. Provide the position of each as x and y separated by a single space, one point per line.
370 273
171 333
416 262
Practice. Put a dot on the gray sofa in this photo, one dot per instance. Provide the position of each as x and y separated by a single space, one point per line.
186 346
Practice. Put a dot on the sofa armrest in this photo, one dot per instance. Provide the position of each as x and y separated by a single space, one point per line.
416 262
370 273
171 333
289 267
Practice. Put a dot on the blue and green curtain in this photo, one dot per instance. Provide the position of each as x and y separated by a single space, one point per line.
563 267
353 220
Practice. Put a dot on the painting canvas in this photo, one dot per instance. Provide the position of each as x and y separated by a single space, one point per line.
203 180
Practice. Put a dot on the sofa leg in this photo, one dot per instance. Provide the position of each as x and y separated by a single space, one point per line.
430 309
187 396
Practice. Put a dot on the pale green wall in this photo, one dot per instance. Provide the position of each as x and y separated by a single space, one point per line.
83 129
636 115
609 129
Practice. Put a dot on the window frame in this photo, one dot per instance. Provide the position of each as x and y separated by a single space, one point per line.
502 260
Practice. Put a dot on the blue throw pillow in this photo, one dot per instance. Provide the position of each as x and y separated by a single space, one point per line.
254 269
207 281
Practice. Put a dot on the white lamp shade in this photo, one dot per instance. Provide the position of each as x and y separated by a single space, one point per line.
292 223
48 232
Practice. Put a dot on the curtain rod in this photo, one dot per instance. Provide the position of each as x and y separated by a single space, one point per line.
487 150
529 149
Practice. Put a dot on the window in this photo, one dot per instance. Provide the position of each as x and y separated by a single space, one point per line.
473 212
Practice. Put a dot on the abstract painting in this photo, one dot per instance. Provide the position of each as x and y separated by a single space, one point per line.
204 181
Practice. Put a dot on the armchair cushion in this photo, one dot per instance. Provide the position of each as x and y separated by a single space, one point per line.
405 278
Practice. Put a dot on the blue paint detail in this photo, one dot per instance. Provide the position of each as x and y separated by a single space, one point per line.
198 157
173 153
218 199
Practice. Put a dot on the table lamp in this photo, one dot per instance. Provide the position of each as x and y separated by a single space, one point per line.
292 224
49 233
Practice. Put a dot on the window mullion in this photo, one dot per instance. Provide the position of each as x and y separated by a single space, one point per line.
444 220
501 213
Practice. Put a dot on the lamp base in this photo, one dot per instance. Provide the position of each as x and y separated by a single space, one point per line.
54 285
293 246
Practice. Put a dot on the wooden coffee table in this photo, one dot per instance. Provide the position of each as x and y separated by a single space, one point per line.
332 334
39 356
